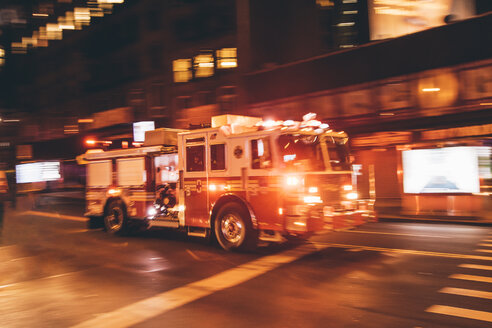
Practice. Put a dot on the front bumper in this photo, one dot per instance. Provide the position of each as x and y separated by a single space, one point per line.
304 218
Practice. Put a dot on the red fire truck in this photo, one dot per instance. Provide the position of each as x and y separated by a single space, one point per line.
242 180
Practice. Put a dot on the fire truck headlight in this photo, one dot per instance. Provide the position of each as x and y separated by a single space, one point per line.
312 199
151 211
292 181
352 196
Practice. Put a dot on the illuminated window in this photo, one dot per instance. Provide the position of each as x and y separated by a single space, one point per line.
203 65
2 56
227 58
182 70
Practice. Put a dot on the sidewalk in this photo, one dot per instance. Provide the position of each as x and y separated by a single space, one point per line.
395 214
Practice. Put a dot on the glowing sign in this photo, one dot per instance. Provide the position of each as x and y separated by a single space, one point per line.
441 170
37 172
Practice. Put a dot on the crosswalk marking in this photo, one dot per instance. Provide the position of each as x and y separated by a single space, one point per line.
460 312
471 277
487 240
145 309
483 250
467 292
475 266
485 245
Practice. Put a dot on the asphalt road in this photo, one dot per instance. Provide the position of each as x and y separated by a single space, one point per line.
56 273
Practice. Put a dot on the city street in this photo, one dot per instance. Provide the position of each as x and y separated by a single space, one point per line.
56 273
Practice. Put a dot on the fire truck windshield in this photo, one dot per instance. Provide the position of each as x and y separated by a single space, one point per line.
301 152
338 152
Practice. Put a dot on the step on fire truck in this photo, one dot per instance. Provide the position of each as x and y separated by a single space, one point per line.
242 180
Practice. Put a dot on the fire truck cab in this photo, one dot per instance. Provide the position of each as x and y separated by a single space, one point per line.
242 180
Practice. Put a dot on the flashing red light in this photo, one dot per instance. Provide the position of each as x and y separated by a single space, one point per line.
90 142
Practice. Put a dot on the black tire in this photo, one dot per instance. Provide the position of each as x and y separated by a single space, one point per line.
115 218
233 228
95 222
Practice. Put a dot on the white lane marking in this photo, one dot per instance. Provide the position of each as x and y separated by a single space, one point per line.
475 266
460 312
471 277
485 245
483 250
15 284
396 234
55 215
466 292
140 311
409 251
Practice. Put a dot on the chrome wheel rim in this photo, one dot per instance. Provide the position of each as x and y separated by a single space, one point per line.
232 229
115 219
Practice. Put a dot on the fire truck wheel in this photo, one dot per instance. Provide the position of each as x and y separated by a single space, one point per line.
233 229
115 220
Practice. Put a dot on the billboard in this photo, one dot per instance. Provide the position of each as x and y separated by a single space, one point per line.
441 170
38 172
393 18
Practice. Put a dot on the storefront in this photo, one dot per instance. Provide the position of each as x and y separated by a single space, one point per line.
443 172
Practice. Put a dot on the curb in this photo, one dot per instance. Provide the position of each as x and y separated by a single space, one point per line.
400 218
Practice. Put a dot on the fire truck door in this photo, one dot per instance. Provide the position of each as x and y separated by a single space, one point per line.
196 180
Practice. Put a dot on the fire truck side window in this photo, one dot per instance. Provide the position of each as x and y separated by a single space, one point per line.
195 158
217 157
261 155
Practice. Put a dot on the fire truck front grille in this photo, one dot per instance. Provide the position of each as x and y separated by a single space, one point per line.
330 187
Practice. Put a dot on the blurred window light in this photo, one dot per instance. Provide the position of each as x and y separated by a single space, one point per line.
96 12
39 15
431 89
71 129
18 48
325 3
33 42
66 22
82 15
182 70
2 56
110 1
204 65
226 58
53 32
346 24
